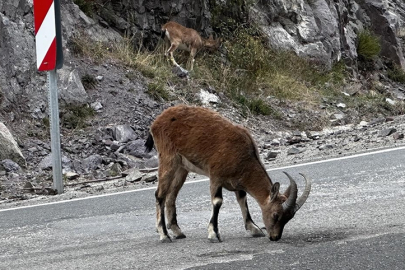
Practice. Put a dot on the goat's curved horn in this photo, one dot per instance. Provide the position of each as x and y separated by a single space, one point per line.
290 204
305 194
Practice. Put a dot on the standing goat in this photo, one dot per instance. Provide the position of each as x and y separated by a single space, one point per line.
196 139
186 39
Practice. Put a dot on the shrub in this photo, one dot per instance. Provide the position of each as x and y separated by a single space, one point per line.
75 116
89 82
396 74
87 6
157 91
368 45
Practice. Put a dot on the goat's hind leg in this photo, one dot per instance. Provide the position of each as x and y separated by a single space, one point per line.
160 216
255 231
178 181
166 175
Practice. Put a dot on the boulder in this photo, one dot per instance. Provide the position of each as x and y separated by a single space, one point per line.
9 147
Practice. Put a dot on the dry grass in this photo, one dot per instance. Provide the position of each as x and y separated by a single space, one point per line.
246 71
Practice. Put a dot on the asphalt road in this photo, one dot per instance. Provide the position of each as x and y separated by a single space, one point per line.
353 219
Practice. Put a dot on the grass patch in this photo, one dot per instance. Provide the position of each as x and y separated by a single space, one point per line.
157 91
87 6
368 46
396 74
75 116
89 82
255 72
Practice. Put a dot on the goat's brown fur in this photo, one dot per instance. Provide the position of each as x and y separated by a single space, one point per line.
186 39
199 140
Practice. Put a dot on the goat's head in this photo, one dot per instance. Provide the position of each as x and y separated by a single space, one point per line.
280 208
212 44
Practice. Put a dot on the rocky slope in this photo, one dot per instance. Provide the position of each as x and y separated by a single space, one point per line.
108 154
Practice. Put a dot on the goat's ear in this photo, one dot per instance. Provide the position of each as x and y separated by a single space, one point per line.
274 191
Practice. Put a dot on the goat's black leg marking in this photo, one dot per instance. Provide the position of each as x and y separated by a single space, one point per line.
213 232
249 224
160 218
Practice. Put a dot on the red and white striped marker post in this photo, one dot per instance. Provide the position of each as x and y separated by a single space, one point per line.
48 42
45 34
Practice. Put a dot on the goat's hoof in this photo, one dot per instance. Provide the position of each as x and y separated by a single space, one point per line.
216 239
180 236
258 234
165 239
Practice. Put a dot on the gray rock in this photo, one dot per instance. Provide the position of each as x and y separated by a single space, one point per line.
10 166
387 132
272 155
124 133
92 162
137 149
46 162
149 177
115 170
9 147
325 147
71 89
398 136
294 151
71 175
96 106
133 175
314 135
180 72
207 97
153 162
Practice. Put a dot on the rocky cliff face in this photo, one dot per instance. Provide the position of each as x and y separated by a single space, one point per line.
326 31
322 30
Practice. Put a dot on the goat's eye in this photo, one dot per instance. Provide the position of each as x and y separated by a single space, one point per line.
275 216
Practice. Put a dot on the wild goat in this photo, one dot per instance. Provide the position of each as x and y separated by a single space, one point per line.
186 39
196 139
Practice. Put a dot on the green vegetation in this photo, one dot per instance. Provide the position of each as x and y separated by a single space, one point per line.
75 116
369 46
396 74
157 91
87 6
256 78
89 82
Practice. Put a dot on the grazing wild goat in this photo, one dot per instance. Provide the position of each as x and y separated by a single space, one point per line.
186 39
196 139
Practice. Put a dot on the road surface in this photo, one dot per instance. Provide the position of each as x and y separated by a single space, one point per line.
353 219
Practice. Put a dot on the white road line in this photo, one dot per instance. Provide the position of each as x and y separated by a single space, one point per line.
206 179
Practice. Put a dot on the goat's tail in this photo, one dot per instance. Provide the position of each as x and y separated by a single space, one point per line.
149 143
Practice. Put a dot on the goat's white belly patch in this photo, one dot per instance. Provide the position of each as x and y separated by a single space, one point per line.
184 47
191 167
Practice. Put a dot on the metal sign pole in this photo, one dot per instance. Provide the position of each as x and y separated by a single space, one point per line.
55 132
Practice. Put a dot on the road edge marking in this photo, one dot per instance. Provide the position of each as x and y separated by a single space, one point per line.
381 151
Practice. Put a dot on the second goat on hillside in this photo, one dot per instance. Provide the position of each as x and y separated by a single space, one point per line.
186 39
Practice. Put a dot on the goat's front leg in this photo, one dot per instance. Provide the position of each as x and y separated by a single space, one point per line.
191 60
255 231
216 199
170 51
